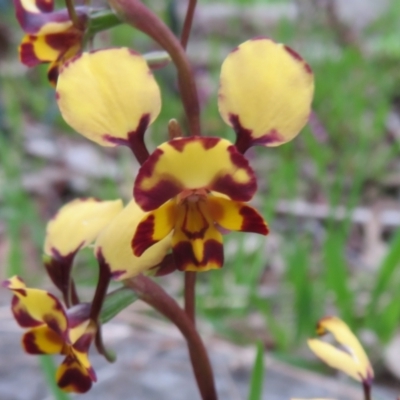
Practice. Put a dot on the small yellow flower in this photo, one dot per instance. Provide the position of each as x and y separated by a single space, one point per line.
349 357
55 330
50 36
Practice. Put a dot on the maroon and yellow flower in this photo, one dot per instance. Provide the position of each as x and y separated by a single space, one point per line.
51 37
54 330
193 186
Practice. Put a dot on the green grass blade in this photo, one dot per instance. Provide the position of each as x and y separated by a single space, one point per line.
49 372
257 375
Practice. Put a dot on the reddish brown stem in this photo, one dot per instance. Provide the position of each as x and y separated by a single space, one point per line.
137 14
367 390
154 295
187 25
190 295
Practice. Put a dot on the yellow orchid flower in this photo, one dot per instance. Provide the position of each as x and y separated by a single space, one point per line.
55 330
50 36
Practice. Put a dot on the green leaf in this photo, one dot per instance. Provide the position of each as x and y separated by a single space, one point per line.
257 375
49 371
115 302
386 271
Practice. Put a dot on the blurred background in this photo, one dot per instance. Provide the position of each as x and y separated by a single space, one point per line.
331 196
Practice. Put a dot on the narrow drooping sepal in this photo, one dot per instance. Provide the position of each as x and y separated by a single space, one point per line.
77 224
349 358
193 163
105 104
34 307
265 93
114 243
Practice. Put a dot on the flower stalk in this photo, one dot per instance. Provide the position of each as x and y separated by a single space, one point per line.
187 25
137 14
72 13
155 296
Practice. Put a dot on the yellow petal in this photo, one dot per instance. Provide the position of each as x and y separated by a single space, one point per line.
193 163
236 216
42 340
265 93
77 224
108 95
352 359
114 244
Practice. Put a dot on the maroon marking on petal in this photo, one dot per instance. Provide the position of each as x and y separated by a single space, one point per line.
180 143
21 315
252 221
209 142
167 266
74 378
193 235
21 291
243 136
293 53
27 55
52 76
64 40
52 323
58 96
45 6
272 137
29 344
153 198
143 237
184 256
298 58
227 185
83 343
134 139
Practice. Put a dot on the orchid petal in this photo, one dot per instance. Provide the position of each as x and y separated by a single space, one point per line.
115 242
77 224
108 104
265 93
